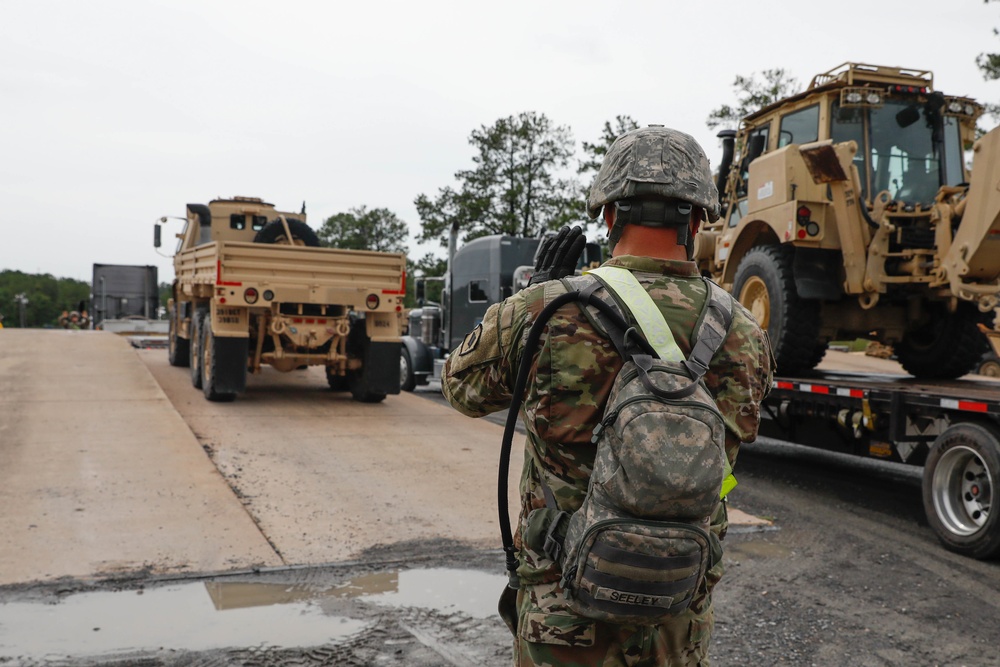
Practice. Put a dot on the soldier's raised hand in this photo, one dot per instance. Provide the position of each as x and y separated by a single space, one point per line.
559 255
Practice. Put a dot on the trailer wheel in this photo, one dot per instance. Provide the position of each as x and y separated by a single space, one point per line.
274 232
407 379
764 283
223 365
990 366
960 485
178 349
197 322
948 346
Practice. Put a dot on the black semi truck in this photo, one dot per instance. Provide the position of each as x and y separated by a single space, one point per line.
123 291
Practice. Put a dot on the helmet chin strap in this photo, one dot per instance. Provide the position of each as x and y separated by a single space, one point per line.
654 213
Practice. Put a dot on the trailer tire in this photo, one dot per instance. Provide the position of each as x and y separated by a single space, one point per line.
948 346
274 232
178 349
990 366
407 378
765 284
960 486
197 322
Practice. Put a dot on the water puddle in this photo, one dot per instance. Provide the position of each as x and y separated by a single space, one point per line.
444 590
757 548
230 614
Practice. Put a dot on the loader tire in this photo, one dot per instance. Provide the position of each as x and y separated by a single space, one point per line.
274 232
764 283
947 346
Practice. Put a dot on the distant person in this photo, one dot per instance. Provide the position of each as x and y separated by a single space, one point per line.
654 188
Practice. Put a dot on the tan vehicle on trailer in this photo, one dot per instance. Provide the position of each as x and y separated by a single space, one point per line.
252 287
849 211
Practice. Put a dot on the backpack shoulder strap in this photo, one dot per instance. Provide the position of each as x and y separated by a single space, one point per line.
621 282
604 325
711 329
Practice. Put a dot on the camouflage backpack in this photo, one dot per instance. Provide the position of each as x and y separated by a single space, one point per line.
637 550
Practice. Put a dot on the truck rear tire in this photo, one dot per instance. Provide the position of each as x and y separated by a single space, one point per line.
960 489
765 284
223 365
361 392
948 346
274 232
197 322
178 349
337 382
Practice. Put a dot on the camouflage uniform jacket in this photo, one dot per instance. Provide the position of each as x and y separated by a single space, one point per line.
574 371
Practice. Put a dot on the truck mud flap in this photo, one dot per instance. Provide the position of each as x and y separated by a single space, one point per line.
230 357
380 369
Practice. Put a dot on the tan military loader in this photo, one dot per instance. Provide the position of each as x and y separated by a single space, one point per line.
252 287
849 211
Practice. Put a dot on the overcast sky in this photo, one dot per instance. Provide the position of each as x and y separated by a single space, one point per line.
115 113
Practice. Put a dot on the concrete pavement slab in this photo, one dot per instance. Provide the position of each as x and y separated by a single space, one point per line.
98 472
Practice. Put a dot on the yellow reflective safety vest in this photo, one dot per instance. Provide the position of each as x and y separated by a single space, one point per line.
654 328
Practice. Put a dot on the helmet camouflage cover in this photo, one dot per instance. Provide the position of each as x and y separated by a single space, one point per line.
655 161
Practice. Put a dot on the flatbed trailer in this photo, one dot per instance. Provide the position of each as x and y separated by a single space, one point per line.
951 428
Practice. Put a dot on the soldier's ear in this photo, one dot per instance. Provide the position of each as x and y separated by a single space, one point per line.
609 215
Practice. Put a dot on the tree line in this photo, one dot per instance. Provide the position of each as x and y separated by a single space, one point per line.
525 178
39 300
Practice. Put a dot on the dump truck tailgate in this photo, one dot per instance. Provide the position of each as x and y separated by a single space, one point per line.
296 273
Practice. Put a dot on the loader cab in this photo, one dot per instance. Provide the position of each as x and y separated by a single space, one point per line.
907 146
910 140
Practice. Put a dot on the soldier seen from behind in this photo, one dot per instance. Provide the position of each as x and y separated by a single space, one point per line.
654 188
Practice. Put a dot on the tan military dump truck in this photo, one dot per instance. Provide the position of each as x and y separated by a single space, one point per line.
849 210
252 287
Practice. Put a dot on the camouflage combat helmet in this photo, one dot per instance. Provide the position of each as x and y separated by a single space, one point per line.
659 162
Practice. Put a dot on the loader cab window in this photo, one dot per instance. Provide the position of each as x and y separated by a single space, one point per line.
953 152
904 159
737 213
849 125
756 145
799 127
